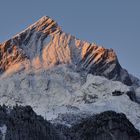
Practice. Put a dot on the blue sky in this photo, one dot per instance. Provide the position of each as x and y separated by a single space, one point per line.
111 23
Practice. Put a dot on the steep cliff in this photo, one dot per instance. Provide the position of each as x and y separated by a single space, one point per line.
62 78
21 123
105 126
44 44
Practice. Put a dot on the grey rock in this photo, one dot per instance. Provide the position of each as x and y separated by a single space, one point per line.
105 126
23 124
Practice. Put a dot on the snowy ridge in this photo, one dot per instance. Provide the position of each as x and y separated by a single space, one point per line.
61 90
44 45
57 74
44 24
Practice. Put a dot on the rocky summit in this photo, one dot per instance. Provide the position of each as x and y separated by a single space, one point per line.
66 81
44 44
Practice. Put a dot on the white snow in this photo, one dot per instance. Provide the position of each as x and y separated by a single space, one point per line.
53 89
50 92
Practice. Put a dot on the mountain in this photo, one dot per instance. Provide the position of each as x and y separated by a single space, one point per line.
22 123
44 44
104 126
65 79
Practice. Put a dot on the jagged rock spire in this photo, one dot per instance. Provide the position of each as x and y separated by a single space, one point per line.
43 44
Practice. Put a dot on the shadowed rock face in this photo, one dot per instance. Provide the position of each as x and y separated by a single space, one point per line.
44 44
105 126
21 123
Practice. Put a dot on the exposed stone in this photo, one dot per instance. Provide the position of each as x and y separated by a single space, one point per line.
45 42
23 124
105 126
117 93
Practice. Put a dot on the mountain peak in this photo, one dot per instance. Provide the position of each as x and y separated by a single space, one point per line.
43 45
45 24
43 18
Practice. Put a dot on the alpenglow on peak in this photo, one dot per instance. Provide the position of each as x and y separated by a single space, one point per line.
44 45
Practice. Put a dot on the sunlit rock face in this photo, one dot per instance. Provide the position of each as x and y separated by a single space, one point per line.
58 74
44 44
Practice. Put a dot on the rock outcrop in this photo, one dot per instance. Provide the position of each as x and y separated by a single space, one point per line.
44 44
57 74
105 126
21 123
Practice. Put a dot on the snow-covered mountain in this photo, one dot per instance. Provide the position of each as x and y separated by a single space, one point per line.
22 123
61 76
44 44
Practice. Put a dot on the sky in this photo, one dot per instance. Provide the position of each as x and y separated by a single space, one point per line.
111 23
